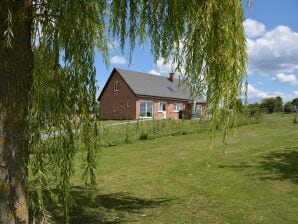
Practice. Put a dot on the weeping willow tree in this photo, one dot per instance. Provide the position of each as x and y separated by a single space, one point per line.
47 81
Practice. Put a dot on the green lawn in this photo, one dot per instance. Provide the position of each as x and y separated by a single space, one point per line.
167 180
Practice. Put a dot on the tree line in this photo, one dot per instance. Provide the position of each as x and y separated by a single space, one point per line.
270 105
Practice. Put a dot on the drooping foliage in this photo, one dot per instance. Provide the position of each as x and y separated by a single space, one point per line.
204 39
63 103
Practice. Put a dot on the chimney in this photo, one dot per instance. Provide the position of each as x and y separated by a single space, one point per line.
172 76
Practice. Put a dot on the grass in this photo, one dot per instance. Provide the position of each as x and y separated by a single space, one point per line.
112 134
167 180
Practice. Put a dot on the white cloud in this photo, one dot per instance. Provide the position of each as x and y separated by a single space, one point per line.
278 93
119 60
276 51
255 94
163 67
288 97
282 77
154 72
253 28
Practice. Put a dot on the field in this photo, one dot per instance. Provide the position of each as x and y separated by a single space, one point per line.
176 179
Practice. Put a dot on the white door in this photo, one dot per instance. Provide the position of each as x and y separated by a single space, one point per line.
162 107
164 113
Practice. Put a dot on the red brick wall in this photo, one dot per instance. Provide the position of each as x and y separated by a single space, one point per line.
110 102
170 114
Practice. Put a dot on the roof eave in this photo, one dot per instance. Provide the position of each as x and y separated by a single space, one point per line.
161 97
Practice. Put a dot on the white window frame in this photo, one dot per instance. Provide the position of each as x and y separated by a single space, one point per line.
122 103
159 106
178 106
146 101
116 86
127 103
198 110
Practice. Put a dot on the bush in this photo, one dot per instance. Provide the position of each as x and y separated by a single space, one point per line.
295 118
143 136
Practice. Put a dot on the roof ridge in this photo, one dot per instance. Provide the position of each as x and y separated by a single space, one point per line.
143 73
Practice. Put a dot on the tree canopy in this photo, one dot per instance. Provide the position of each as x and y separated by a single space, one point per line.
205 40
295 102
272 104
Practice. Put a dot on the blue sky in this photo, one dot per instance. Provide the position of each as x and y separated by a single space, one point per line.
272 44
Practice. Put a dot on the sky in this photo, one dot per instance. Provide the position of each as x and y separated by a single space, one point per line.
271 29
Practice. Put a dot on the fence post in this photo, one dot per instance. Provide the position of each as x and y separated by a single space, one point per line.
296 111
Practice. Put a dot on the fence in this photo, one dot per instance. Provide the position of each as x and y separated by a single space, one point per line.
111 135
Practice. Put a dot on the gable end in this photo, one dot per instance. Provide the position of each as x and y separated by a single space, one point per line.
109 79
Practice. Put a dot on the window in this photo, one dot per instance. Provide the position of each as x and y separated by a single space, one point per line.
146 109
200 110
122 103
197 110
116 86
177 107
162 106
127 103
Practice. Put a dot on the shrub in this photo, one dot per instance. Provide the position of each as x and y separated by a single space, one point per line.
295 118
143 136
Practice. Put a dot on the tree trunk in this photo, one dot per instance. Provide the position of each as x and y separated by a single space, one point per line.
16 63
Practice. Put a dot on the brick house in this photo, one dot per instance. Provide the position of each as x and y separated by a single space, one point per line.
133 95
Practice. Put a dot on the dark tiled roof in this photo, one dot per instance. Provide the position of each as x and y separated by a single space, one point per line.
144 84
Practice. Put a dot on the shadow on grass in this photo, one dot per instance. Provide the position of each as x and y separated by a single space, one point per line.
281 165
242 165
108 208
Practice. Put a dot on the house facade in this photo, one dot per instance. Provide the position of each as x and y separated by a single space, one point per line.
135 95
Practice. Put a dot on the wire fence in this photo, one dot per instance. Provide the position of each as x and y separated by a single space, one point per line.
270 110
139 130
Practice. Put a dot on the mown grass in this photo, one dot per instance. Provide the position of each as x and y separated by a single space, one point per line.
167 180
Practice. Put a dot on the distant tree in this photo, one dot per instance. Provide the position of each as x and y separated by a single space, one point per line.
295 102
279 104
288 107
272 104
